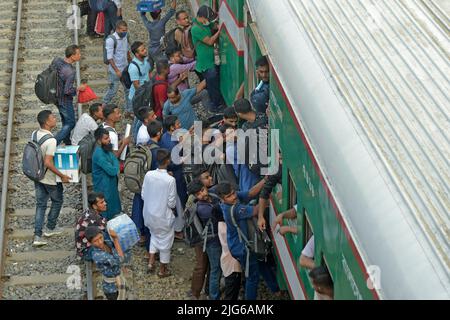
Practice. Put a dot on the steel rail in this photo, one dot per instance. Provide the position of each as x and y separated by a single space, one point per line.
88 264
12 98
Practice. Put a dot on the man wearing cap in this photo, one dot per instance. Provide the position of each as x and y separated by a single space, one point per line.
204 41
156 30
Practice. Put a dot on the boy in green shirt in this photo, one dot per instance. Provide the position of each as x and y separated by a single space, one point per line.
204 41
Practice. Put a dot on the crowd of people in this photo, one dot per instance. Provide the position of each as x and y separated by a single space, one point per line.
225 196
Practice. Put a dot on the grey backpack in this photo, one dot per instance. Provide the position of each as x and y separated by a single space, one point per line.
33 159
137 164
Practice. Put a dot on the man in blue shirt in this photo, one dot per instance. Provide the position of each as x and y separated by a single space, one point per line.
179 104
232 199
139 70
156 30
261 94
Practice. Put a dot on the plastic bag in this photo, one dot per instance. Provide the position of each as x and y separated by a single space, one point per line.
100 23
126 231
86 95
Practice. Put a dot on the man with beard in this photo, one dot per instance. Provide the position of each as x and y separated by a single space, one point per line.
105 173
139 70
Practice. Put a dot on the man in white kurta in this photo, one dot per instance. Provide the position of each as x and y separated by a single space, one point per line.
159 194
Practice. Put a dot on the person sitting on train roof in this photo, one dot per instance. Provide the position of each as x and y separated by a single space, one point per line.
105 172
204 40
260 96
232 200
112 115
87 123
108 257
92 216
156 30
322 283
179 104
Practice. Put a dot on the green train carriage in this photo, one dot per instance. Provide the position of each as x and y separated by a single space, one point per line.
369 179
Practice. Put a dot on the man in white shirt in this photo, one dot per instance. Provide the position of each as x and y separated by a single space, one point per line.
159 194
118 56
111 114
47 187
143 137
87 123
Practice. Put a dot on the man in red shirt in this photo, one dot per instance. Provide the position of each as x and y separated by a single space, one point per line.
160 89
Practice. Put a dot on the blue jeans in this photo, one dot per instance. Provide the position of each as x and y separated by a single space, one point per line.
43 193
257 268
68 123
110 18
114 82
214 251
212 77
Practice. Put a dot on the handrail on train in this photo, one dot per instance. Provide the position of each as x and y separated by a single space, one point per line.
12 98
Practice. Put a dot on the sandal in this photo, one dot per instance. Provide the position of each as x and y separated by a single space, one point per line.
165 274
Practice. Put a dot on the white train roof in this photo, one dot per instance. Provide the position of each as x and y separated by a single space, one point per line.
369 84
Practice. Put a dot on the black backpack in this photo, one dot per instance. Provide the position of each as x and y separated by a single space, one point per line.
125 79
195 232
143 97
33 159
169 41
257 242
105 55
46 85
86 148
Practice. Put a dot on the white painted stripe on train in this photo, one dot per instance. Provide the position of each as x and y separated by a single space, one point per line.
236 33
287 262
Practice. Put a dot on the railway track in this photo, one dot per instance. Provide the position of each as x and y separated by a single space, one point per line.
32 34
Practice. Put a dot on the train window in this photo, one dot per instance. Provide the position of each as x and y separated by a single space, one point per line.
292 201
328 292
307 229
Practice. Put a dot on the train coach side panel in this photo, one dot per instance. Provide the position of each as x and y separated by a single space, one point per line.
332 246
